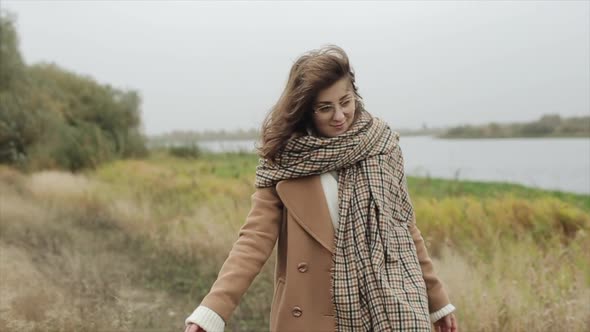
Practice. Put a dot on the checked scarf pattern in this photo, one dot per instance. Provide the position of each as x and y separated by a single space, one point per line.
377 283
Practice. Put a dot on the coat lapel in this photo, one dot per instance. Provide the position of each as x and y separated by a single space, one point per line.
305 199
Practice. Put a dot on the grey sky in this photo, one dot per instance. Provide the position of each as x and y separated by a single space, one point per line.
212 65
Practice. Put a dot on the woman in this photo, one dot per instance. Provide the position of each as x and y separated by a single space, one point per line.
331 189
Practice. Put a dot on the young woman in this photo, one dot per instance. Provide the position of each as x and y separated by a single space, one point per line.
330 187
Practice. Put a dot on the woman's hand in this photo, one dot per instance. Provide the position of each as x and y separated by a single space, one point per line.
195 328
446 324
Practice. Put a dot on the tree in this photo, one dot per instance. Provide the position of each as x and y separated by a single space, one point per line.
50 117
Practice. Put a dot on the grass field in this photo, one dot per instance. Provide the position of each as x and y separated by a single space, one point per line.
136 244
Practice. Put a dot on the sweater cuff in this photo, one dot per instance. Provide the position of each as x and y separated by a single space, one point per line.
442 312
207 319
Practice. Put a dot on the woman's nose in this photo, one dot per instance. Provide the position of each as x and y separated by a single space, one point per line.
338 114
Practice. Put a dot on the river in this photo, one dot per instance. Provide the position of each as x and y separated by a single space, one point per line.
547 163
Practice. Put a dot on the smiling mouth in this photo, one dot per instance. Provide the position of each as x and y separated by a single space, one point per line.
339 126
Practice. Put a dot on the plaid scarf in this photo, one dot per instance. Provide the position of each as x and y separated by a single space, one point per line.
377 283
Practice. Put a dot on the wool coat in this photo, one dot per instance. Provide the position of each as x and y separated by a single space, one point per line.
295 214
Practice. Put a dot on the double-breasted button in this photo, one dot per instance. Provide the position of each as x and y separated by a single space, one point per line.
302 267
297 312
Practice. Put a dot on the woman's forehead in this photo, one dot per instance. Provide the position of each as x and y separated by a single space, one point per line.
334 92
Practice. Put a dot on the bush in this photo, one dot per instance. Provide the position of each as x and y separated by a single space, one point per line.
185 151
50 117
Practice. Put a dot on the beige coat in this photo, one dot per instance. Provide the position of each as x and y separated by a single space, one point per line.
295 213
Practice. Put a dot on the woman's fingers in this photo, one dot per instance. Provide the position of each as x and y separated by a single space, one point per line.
448 323
193 328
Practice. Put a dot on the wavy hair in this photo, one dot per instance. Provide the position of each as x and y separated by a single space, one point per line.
291 115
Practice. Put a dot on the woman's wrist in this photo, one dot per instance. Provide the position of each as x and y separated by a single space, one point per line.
207 319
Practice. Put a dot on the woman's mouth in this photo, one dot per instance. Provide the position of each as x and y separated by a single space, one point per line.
339 126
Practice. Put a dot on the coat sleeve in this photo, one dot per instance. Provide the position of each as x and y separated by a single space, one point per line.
437 295
256 240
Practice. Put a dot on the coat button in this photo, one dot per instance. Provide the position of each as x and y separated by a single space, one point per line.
302 267
297 312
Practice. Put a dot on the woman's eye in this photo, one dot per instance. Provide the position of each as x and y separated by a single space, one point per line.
346 102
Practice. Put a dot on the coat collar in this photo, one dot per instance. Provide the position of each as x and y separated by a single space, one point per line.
305 199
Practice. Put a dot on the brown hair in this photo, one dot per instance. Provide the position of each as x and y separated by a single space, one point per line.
290 116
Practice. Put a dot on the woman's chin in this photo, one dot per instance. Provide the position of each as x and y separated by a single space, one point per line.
334 131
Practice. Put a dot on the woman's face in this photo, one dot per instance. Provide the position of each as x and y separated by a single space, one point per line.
333 109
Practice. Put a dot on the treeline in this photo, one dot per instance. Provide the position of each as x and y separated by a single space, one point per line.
53 118
184 137
551 125
188 137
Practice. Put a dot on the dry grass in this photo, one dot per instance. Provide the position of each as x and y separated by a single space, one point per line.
517 291
59 275
136 245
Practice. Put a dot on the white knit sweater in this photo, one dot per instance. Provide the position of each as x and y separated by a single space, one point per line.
212 322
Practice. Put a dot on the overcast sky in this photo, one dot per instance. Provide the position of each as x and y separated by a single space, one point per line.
212 65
